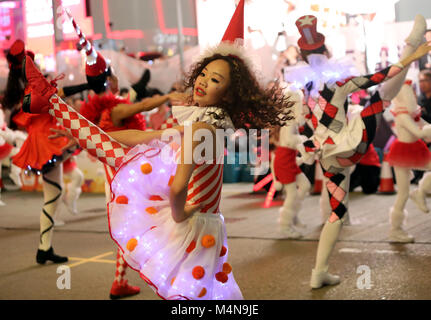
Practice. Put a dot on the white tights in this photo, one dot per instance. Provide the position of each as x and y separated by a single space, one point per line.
52 191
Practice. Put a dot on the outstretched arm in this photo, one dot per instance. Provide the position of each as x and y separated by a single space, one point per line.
123 111
129 137
134 137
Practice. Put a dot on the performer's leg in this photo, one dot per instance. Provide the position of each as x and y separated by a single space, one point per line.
120 288
303 185
419 195
121 267
390 88
324 205
51 194
397 212
288 212
328 237
74 189
402 176
40 97
89 136
337 186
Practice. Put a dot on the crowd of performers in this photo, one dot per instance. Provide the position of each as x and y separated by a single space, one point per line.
164 212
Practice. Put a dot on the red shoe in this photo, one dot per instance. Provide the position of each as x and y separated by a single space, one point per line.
122 289
38 90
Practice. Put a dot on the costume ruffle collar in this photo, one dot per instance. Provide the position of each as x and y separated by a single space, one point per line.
319 70
201 114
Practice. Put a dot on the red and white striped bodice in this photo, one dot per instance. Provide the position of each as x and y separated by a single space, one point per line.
205 186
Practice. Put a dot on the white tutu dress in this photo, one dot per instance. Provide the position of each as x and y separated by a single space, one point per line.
186 260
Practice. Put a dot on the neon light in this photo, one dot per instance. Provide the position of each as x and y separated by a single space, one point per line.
162 25
38 11
38 18
269 196
5 22
9 5
262 182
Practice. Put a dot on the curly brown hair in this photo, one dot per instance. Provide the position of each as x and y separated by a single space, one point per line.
248 104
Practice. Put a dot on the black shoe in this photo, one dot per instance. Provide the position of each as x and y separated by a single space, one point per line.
49 255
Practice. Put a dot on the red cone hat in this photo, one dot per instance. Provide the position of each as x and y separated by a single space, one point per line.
310 38
232 43
235 28
95 64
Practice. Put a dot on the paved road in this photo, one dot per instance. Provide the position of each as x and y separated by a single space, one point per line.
265 266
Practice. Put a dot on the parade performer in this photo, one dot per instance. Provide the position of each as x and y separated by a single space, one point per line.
408 152
39 154
287 172
112 113
165 216
339 142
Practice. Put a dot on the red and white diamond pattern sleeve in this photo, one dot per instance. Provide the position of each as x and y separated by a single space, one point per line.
89 136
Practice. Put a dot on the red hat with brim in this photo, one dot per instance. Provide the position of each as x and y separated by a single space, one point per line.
310 38
16 54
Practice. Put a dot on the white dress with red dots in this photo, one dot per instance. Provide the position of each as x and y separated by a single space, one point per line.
186 260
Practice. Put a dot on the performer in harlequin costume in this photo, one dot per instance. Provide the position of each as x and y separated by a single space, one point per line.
39 154
113 113
165 216
408 152
339 142
287 172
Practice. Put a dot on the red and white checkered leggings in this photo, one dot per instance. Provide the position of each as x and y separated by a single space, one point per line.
89 136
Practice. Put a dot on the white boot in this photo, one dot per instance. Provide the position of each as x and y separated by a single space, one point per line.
390 88
327 240
418 197
397 233
415 37
323 278
287 230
